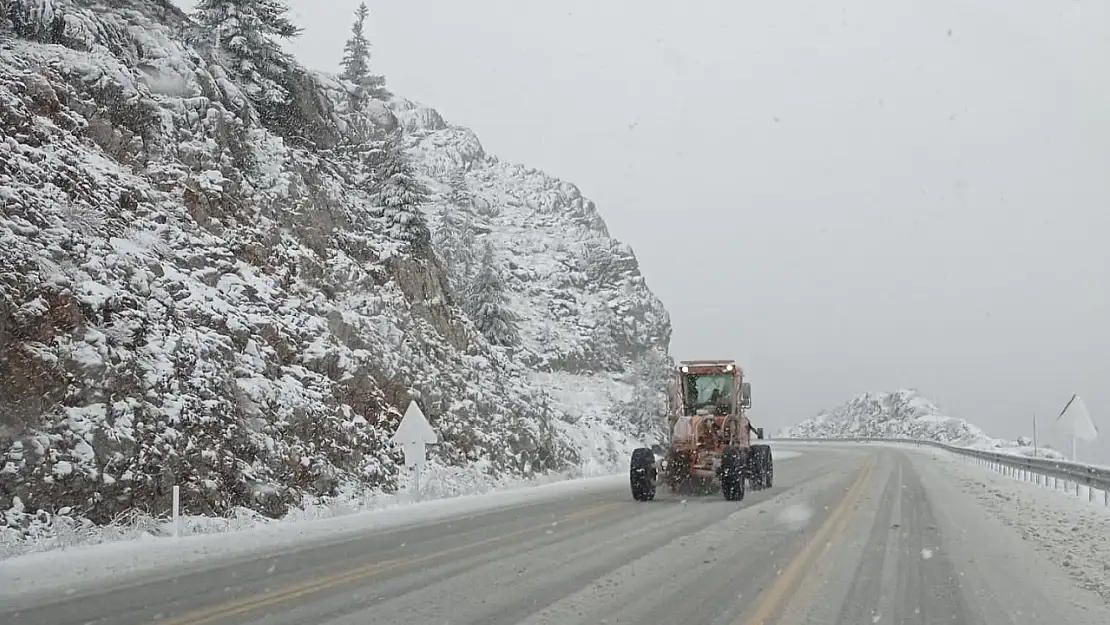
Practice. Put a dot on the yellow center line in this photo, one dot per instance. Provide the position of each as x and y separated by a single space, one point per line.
803 594
775 597
294 591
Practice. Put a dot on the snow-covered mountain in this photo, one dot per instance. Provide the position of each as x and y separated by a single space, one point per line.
197 295
904 414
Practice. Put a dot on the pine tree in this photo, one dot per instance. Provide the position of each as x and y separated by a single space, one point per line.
454 235
548 435
646 409
398 196
454 240
244 31
446 239
487 304
459 194
467 243
356 59
356 52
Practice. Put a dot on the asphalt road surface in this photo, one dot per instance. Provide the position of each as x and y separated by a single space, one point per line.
847 536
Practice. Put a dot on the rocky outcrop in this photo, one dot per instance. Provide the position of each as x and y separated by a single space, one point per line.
904 414
191 294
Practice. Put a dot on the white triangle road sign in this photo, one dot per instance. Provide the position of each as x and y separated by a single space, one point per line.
1076 421
413 434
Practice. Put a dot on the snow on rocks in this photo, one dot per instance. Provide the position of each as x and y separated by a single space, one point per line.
905 414
189 297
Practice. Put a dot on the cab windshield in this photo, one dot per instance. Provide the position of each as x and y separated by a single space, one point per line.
712 391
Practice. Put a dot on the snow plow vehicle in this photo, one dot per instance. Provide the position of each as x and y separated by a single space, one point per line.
710 449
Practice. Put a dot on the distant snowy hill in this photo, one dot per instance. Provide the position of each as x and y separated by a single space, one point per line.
904 414
235 301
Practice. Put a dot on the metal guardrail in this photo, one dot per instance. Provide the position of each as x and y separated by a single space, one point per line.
1039 470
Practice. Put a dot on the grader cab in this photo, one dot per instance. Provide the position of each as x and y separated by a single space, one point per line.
710 449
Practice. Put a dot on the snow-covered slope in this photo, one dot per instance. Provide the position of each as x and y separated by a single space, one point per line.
904 414
591 333
194 295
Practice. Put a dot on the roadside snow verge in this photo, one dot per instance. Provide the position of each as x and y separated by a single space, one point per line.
1069 530
602 451
105 564
75 569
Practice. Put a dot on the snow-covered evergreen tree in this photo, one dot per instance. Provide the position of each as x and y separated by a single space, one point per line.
549 451
487 303
459 194
448 245
646 409
356 52
468 243
462 221
244 32
398 196
454 233
356 59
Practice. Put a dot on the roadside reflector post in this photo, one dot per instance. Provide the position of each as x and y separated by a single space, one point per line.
176 511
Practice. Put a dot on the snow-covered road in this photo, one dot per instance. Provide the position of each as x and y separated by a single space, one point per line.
847 535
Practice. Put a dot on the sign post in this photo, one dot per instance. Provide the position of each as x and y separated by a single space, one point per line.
413 435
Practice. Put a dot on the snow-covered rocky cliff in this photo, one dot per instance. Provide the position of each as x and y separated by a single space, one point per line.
192 293
904 414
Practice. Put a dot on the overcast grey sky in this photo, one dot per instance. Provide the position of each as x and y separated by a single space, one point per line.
845 195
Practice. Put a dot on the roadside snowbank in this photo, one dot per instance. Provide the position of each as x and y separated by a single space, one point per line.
601 448
123 561
1069 530
70 569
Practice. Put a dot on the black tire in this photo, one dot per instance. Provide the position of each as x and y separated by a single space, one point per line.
641 474
769 468
754 471
677 474
733 468
761 467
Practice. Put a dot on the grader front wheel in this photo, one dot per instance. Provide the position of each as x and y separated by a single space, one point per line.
642 475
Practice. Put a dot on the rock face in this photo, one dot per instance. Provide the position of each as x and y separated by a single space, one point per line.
194 295
904 414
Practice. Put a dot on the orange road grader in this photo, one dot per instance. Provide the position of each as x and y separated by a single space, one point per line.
710 449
